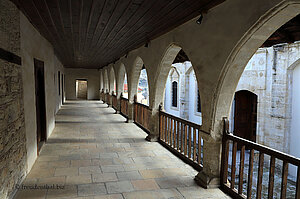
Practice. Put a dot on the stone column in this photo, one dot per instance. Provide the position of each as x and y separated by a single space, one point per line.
119 102
209 177
131 110
154 125
107 100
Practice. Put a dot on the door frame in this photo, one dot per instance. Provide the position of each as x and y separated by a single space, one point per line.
252 114
40 104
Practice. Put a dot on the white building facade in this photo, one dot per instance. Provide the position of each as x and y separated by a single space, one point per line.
181 97
273 74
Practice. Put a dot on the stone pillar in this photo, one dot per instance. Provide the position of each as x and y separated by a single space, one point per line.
119 102
209 177
107 100
154 125
131 110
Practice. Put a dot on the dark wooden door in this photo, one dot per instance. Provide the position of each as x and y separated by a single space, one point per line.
40 102
245 115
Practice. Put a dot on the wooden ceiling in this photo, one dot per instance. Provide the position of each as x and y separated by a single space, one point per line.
288 33
94 33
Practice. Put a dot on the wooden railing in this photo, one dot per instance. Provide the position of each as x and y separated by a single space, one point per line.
269 162
124 106
142 114
182 136
114 101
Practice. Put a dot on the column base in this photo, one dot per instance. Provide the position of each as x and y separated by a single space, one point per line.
152 138
129 120
207 182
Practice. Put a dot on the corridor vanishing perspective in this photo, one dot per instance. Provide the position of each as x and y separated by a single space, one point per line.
93 153
137 99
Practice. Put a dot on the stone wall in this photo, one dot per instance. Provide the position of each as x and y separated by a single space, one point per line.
20 43
12 124
268 76
93 82
34 45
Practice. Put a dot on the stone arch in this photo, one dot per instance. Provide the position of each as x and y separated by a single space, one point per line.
112 80
133 78
241 54
160 80
174 70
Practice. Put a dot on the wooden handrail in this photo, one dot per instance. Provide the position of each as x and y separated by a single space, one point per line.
194 125
182 137
140 104
142 114
124 106
123 98
264 149
114 101
242 144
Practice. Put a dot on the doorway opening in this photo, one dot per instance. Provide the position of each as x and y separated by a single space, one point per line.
40 103
81 89
245 115
62 89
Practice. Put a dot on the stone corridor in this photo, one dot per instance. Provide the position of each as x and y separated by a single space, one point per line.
93 153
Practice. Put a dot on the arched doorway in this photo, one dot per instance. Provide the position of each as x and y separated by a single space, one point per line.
245 115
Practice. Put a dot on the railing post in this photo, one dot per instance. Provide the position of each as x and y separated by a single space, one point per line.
225 152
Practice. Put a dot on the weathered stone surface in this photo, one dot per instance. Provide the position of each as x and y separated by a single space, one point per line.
12 124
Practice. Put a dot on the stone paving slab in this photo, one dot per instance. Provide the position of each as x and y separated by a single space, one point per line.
94 154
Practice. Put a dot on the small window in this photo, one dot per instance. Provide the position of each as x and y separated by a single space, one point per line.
174 94
198 102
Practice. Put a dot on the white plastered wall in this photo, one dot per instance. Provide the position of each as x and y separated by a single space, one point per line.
93 81
33 45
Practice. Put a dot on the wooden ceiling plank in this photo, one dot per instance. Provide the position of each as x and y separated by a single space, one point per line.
114 25
66 38
143 20
89 22
105 11
104 29
133 19
56 31
156 18
138 43
100 5
91 33
50 36
80 24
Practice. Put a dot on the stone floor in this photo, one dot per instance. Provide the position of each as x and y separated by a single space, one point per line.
93 153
